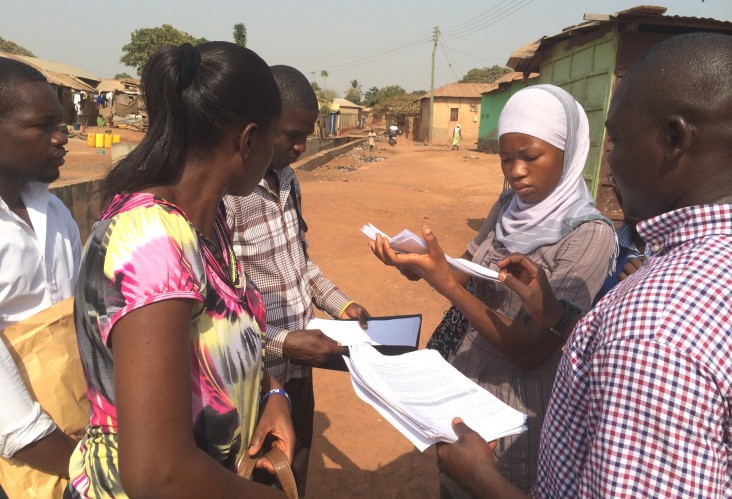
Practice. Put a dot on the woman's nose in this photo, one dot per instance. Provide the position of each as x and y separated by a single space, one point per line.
518 169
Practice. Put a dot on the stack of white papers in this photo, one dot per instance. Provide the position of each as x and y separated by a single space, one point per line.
408 242
420 393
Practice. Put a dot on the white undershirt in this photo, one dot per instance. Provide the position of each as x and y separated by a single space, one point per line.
38 268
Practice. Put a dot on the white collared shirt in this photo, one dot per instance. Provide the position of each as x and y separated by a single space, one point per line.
38 268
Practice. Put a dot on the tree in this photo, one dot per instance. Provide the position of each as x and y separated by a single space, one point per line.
375 95
371 97
325 100
240 34
354 93
397 108
485 75
144 42
324 75
14 48
121 75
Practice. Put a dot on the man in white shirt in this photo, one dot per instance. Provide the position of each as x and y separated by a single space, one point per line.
40 251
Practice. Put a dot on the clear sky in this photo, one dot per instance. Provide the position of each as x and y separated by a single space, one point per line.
376 42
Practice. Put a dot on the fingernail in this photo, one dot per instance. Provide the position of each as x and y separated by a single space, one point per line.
427 230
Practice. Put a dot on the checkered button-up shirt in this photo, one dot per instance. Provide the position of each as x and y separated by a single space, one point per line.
268 241
642 399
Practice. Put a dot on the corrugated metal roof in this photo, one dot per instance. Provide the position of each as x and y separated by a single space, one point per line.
508 78
59 67
464 90
344 103
521 59
54 78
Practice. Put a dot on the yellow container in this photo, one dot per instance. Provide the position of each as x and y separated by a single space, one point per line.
107 140
90 139
116 138
99 140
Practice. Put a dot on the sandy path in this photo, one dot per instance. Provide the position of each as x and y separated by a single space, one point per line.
355 452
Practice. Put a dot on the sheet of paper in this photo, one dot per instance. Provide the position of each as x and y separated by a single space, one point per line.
400 330
424 392
404 242
408 242
420 442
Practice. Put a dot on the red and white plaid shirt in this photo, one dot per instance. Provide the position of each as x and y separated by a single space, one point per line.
268 242
642 399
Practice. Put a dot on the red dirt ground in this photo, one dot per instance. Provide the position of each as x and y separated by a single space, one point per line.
355 452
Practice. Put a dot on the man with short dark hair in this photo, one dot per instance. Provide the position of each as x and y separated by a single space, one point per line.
39 252
641 401
269 239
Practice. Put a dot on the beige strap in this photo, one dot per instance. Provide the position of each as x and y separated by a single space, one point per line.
282 468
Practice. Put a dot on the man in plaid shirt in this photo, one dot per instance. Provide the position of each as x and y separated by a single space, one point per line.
269 240
642 398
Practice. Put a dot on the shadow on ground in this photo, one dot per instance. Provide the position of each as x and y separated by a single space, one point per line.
338 476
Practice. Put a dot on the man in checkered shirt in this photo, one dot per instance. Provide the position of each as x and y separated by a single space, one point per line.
269 240
642 398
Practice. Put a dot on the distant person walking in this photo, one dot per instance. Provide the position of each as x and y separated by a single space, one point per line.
456 137
372 139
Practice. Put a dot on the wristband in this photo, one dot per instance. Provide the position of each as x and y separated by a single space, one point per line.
276 391
570 312
345 307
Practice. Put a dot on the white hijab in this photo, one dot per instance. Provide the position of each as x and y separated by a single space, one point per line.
551 114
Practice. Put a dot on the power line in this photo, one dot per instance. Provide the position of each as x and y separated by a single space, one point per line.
499 15
453 67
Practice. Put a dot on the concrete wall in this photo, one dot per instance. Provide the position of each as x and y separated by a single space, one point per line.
468 117
82 199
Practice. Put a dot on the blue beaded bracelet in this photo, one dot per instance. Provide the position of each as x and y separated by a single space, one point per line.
276 391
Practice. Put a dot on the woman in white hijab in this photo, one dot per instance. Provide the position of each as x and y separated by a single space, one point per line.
547 214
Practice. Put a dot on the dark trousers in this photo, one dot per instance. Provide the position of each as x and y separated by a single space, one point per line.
301 394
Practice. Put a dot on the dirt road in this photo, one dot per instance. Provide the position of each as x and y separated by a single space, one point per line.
359 454
355 452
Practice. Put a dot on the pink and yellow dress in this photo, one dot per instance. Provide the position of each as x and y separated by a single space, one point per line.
141 251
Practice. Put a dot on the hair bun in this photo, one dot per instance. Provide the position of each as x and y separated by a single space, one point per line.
190 60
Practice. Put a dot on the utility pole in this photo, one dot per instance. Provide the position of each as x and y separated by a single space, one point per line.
432 83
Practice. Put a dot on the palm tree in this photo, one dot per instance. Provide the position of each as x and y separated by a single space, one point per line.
324 75
355 93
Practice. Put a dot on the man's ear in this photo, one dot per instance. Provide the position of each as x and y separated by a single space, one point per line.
677 136
246 139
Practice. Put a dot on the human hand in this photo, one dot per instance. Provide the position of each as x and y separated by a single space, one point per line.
525 278
275 424
310 347
469 454
432 266
356 311
631 267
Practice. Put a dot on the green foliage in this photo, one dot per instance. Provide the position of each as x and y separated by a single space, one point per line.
240 34
371 97
14 48
398 107
485 75
354 93
146 41
121 75
375 95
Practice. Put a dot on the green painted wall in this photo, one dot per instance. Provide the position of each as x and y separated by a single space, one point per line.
586 70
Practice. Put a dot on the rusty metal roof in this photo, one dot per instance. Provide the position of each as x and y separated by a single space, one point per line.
523 59
464 90
507 79
63 79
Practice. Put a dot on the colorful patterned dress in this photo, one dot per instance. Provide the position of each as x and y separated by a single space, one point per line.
141 251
